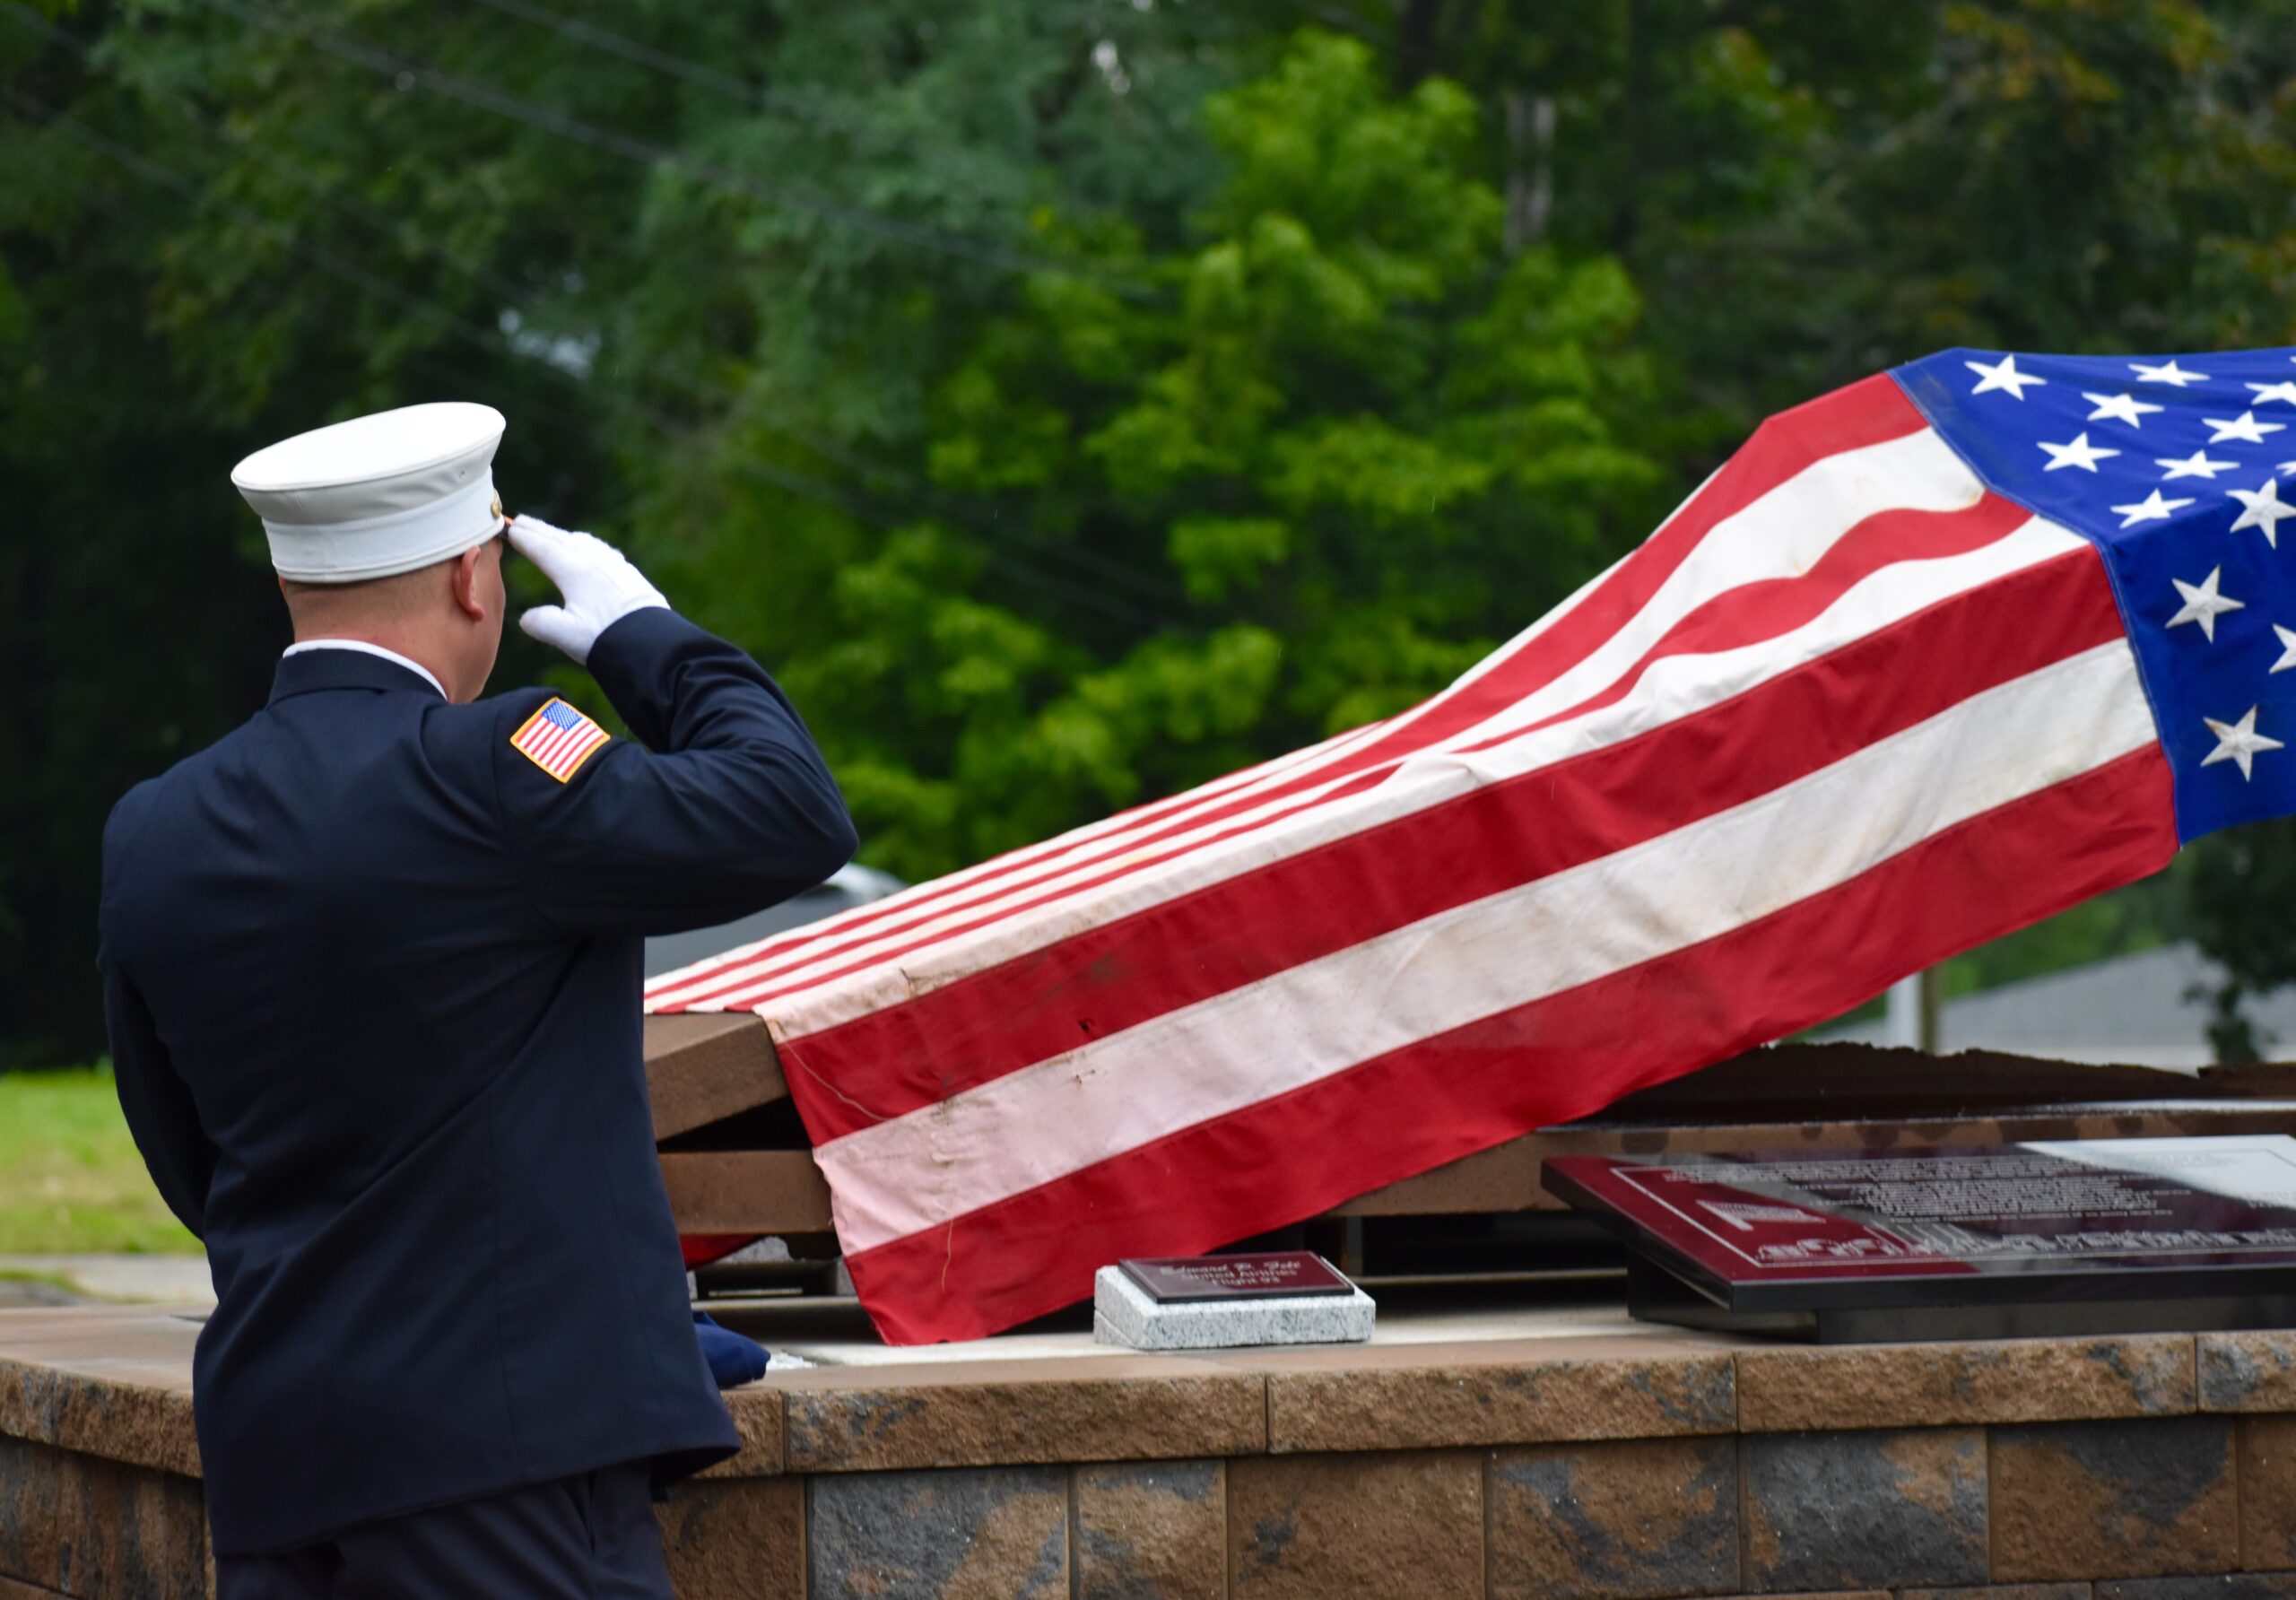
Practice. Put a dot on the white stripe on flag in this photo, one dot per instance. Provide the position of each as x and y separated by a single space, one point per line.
1299 1026
1673 687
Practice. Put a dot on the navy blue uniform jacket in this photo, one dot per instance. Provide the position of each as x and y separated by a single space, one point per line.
372 981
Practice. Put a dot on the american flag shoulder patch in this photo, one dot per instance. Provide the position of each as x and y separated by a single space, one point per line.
559 739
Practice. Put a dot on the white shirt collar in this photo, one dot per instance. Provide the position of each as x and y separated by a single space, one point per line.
417 668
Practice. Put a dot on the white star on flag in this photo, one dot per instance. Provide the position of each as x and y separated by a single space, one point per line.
2120 408
2197 466
2243 427
2204 605
2171 373
2151 508
2080 453
2238 741
2264 510
2274 391
2287 647
2003 375
2286 466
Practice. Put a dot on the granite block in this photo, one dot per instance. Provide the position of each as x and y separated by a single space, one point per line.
87 1526
2254 1370
1398 1526
1000 1532
1154 1528
759 1413
1787 1388
1429 1398
2114 1499
138 1424
1014 1412
1123 1313
739 1540
2267 1472
1623 1520
2231 1586
1847 1510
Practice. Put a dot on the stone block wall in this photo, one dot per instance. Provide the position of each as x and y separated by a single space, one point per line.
2144 1468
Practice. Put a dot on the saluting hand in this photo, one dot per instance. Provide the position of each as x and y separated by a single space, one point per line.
596 581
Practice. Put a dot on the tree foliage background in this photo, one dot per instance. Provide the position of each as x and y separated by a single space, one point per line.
1070 399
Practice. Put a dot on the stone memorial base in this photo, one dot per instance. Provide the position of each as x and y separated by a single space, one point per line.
1593 1459
1123 1313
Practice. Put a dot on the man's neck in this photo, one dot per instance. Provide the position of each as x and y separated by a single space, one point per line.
373 646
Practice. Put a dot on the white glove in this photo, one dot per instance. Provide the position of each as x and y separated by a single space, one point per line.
596 581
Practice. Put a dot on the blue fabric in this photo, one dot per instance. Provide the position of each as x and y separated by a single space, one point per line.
589 1536
2191 678
372 978
733 1359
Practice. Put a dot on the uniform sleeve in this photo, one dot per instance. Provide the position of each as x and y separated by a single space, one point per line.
158 1104
726 808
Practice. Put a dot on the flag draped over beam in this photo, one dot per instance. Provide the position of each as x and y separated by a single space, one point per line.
1931 657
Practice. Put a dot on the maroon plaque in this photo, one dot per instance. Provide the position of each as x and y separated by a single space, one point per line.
1853 1244
1169 1279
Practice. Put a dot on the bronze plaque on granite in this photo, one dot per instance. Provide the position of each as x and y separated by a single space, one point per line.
1169 1279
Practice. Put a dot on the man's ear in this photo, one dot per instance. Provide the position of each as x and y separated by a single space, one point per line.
461 578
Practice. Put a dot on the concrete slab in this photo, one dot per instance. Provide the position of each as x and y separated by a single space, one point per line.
157 1279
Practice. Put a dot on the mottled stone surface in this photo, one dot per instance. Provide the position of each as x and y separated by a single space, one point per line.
2248 1372
1013 1412
1123 1313
757 1412
2004 1591
1842 1510
1432 1402
983 1534
2114 1499
12 1588
123 1421
2236 1586
85 1526
742 1540
1630 1519
2268 1458
1152 1529
1406 1525
1785 1388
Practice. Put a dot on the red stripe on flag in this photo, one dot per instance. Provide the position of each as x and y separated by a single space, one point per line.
1557 1058
1870 412
1117 975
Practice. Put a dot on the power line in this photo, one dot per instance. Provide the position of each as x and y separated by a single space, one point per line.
450 322
922 497
409 71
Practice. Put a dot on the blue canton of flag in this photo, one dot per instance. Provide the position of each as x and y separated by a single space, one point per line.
2173 467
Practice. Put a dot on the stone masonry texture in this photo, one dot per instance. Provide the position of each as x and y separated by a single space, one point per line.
2115 1500
970 1533
738 1540
1152 1529
1852 1510
1405 1525
1633 1519
84 1527
2267 1475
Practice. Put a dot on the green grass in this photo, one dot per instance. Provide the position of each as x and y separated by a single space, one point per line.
70 1180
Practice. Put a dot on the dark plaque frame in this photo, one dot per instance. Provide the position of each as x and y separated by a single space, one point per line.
1268 1274
1897 1244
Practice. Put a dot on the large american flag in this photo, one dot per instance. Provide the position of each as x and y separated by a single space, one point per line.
1931 657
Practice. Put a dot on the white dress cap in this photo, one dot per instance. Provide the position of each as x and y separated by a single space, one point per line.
379 494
